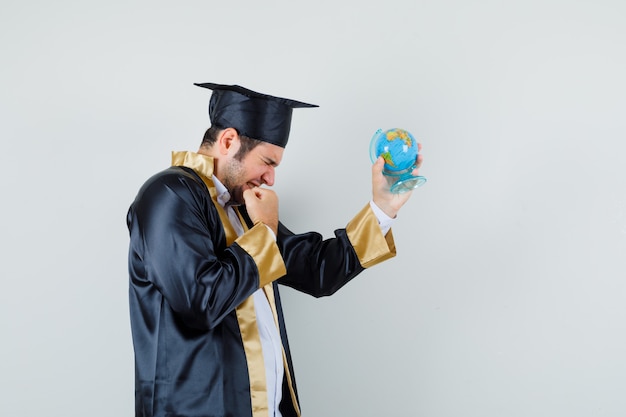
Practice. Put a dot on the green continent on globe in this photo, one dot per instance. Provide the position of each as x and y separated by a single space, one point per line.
388 158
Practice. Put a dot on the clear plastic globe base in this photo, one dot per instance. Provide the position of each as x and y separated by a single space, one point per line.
399 150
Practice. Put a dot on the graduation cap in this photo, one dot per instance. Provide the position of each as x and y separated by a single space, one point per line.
255 115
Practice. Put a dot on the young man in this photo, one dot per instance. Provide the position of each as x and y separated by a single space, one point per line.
206 254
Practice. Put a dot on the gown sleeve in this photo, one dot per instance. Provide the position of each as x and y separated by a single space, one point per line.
178 249
321 267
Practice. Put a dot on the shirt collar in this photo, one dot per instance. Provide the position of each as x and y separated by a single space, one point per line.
223 196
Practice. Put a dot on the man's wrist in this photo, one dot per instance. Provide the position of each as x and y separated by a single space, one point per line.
384 220
386 208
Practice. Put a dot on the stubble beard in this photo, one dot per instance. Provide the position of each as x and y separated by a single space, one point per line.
233 181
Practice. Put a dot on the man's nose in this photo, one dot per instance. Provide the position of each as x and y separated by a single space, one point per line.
268 177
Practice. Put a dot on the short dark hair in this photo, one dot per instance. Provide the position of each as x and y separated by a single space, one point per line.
247 144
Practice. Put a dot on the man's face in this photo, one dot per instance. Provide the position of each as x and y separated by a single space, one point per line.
253 170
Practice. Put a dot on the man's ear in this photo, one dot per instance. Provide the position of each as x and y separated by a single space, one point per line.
228 141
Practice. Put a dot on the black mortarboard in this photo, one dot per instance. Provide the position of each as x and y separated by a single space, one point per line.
255 115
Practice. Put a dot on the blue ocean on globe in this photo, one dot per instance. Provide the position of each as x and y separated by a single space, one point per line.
397 147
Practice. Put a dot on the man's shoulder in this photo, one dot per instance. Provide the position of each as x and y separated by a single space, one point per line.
178 180
175 176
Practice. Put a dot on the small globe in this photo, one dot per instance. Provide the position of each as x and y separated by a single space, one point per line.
397 147
399 150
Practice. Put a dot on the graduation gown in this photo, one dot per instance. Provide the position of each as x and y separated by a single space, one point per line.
195 338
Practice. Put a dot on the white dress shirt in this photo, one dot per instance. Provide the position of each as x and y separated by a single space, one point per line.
271 342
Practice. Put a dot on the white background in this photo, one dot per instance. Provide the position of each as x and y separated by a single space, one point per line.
507 294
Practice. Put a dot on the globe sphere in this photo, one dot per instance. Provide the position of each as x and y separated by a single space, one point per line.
398 148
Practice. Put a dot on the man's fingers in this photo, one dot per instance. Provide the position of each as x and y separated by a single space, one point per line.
250 195
378 166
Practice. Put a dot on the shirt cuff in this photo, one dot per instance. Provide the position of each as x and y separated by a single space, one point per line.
271 231
385 222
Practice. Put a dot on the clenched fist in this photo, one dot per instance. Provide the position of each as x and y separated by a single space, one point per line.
262 206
